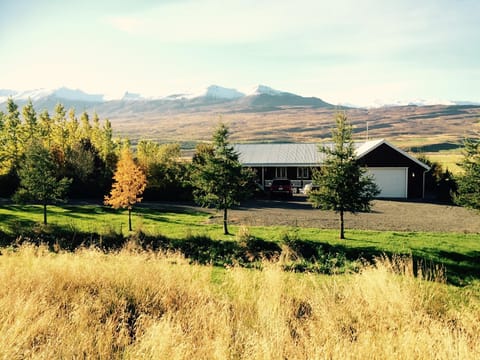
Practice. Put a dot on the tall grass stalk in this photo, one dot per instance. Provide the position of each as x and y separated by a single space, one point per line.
136 304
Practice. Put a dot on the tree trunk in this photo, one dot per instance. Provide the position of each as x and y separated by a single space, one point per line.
45 213
342 228
129 219
225 228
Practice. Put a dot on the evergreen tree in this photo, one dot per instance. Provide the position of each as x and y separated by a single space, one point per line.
10 151
30 121
218 178
60 131
38 179
129 184
85 127
108 145
45 124
469 183
440 184
96 132
343 184
72 128
84 153
3 141
202 152
81 160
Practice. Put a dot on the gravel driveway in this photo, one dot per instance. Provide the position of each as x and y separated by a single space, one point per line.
386 215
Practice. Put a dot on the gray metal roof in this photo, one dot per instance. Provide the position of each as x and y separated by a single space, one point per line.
279 154
299 154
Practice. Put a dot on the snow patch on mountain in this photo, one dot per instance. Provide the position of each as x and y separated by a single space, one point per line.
219 92
175 97
7 92
379 103
129 96
34 95
132 97
266 90
77 95
61 93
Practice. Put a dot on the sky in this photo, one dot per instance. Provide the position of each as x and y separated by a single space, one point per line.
342 51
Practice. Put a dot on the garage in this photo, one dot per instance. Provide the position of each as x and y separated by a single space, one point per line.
392 181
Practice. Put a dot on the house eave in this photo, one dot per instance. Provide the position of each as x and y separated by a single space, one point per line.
383 141
281 164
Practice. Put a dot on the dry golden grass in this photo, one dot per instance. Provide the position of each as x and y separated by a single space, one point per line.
448 160
135 305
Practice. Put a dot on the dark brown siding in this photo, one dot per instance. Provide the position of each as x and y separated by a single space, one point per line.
385 156
292 173
269 173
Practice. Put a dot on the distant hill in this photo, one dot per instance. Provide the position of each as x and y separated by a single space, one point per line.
268 99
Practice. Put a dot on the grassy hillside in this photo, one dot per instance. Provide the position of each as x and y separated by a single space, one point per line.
133 304
411 127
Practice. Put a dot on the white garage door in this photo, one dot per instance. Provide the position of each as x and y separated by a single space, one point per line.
391 181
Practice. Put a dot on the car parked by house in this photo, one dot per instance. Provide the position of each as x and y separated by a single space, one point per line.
281 187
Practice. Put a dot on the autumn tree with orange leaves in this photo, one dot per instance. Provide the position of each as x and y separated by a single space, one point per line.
129 184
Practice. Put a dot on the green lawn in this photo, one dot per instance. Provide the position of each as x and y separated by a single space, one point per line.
459 253
100 219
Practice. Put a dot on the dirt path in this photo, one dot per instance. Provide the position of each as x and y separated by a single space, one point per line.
386 215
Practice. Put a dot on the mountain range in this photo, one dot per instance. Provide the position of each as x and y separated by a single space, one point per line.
213 98
263 98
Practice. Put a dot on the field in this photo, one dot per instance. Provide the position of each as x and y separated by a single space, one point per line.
419 129
448 159
134 304
178 288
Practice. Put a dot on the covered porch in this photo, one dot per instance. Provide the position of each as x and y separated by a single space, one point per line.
299 176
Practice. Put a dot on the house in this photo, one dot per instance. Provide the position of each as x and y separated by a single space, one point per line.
398 174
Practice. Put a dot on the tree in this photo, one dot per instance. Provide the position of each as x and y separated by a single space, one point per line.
343 184
108 145
129 184
165 170
60 131
85 127
72 127
30 118
10 150
38 178
469 183
218 178
45 124
440 184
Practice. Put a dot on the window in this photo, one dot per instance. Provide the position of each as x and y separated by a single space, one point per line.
281 172
303 173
